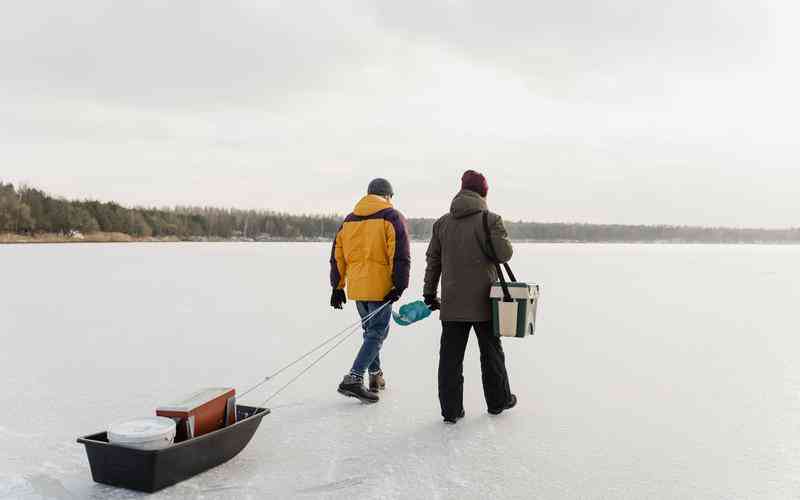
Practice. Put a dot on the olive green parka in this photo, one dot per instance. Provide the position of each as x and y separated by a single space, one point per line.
458 254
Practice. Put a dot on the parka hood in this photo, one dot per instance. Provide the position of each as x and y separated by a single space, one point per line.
467 203
371 204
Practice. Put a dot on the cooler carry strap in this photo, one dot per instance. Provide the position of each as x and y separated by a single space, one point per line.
508 270
493 258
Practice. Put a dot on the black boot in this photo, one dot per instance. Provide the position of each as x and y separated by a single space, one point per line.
512 402
353 387
376 382
453 420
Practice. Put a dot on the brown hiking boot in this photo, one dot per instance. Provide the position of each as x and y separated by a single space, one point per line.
376 382
353 387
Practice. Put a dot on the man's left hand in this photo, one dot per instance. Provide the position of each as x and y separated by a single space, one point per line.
433 302
338 297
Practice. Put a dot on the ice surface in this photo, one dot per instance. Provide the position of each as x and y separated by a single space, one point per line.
655 372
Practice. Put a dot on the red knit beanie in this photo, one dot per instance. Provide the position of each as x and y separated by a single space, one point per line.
475 181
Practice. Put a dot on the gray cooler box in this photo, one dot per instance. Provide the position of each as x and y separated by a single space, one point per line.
516 318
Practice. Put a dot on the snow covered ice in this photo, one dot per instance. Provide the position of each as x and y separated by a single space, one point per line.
655 372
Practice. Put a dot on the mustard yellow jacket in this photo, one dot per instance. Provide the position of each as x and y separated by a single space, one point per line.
371 253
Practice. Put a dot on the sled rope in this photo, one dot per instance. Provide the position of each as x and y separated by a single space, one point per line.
342 335
308 367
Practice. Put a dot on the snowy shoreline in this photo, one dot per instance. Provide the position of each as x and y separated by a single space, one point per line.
15 239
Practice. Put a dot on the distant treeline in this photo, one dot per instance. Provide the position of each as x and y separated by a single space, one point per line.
618 233
29 211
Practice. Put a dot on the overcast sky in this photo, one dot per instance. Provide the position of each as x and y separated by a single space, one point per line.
616 111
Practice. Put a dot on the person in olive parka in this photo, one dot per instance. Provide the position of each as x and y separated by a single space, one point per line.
458 253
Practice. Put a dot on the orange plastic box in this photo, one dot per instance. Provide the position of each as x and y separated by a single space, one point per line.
204 411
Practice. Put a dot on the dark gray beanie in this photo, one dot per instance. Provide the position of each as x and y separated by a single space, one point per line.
381 187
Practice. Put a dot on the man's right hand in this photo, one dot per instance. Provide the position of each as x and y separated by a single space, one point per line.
338 298
433 302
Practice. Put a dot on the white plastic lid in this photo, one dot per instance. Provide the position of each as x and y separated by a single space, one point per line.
141 430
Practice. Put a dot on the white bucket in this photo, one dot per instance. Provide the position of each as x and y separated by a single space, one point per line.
146 433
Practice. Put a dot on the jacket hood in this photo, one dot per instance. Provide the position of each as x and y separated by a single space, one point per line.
371 204
467 203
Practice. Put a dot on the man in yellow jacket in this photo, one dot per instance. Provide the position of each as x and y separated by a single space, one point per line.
371 256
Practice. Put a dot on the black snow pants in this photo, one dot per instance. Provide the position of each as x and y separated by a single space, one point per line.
451 366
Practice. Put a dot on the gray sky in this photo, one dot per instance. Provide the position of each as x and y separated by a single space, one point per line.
624 111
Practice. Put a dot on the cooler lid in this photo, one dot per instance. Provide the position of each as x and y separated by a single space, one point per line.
196 399
517 290
140 430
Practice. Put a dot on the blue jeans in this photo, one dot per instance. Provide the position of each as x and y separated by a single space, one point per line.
376 329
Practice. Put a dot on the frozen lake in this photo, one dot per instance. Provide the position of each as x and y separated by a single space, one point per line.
656 372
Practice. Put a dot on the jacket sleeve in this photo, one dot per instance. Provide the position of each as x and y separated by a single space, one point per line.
398 249
338 263
499 235
433 258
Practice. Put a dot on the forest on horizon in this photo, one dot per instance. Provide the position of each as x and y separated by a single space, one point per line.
29 211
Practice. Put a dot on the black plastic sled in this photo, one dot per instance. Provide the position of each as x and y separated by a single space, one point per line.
152 470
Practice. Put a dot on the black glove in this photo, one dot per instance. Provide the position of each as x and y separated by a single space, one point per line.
338 298
433 302
393 295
